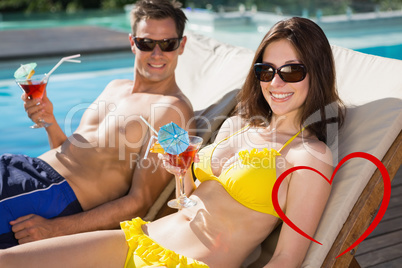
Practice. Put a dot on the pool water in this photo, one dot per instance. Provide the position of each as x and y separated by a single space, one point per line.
74 86
394 51
379 41
382 39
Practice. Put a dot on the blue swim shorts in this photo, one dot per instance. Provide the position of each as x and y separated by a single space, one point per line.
30 186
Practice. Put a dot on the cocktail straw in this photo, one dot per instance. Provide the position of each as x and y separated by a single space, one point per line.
150 139
149 125
69 59
149 146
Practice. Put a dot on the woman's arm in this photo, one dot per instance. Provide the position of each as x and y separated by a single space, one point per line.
307 195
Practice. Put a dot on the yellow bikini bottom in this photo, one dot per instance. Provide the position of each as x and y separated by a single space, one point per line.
144 252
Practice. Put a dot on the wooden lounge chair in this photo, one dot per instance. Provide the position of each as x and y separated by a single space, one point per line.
372 89
210 73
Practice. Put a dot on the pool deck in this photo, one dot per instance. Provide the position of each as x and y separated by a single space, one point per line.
60 41
383 248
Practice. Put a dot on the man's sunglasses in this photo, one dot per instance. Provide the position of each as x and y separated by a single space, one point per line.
290 73
166 45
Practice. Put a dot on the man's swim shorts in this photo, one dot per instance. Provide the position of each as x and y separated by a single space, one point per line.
30 186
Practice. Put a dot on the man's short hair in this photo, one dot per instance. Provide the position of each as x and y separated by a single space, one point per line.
158 9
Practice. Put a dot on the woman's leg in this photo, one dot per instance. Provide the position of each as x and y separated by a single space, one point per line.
93 249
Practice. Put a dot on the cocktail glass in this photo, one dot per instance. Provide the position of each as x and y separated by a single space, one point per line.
181 164
34 87
178 166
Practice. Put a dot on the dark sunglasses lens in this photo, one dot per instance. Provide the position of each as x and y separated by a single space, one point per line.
293 73
264 73
145 44
169 45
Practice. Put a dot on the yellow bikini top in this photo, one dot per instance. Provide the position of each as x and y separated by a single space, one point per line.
249 181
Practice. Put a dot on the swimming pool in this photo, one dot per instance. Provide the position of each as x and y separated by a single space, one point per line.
382 39
74 86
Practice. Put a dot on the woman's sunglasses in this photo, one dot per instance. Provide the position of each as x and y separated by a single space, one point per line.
289 73
166 45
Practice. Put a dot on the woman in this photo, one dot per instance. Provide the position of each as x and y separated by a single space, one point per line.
292 82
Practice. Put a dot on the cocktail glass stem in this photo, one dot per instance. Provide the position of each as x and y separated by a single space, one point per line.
41 123
182 201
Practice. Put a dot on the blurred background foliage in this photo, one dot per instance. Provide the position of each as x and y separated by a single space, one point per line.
293 7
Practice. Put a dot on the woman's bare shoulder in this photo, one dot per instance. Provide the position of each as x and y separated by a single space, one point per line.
229 126
311 152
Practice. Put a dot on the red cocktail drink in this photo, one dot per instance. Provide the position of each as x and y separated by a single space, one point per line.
184 160
34 89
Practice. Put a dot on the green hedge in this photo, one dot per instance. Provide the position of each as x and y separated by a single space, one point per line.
293 7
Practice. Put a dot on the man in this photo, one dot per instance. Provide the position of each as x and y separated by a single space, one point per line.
88 181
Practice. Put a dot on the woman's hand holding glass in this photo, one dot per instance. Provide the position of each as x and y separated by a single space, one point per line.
166 164
176 170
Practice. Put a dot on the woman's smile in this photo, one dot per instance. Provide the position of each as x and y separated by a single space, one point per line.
280 97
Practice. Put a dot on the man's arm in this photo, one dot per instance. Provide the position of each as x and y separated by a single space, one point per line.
146 186
149 180
43 109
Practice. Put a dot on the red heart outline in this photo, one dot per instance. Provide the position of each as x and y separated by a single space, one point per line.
376 220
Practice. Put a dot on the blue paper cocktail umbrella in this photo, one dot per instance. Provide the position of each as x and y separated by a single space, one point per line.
173 139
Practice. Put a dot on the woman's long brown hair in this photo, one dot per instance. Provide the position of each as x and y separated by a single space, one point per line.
323 104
